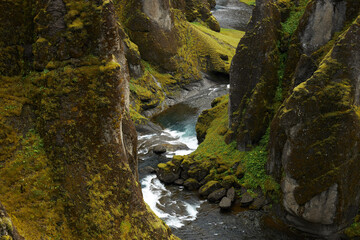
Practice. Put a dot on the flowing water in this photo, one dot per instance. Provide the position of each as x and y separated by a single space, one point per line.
189 216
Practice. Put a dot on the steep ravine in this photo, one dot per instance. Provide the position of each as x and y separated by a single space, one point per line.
189 216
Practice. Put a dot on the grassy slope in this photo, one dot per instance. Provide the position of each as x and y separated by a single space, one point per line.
214 151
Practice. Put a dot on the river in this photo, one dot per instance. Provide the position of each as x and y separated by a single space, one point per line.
189 216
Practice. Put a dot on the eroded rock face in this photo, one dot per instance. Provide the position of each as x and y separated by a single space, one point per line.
320 22
151 26
159 12
7 228
71 127
328 17
253 76
314 145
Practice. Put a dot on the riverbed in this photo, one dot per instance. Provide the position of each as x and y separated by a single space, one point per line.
189 216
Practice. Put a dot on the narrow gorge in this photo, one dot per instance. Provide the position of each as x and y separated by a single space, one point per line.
179 119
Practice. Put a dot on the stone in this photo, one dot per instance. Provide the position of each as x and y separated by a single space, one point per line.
168 172
258 203
159 149
231 194
228 181
147 170
179 182
246 199
209 187
217 195
199 173
191 184
225 203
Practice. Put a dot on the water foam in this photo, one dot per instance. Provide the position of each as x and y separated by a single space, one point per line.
154 191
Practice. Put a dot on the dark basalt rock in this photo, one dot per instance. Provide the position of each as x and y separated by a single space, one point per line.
246 199
7 228
168 172
217 195
191 184
225 203
159 149
209 188
254 76
315 142
231 194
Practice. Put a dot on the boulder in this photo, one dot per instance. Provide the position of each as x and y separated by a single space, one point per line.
179 182
191 184
217 195
168 172
225 203
209 187
147 170
246 199
258 203
159 149
231 194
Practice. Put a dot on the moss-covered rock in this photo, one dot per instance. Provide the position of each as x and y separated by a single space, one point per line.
314 144
209 187
307 38
168 172
7 229
253 76
191 184
68 161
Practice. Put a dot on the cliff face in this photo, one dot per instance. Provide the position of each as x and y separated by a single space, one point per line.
314 148
169 46
254 77
68 157
311 86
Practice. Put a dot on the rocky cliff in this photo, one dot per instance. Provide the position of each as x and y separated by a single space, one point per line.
68 161
307 75
169 46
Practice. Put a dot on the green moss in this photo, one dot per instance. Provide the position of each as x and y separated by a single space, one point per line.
354 230
249 2
292 22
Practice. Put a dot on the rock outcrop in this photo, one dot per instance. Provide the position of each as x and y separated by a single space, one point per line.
254 77
314 147
68 147
7 228
306 72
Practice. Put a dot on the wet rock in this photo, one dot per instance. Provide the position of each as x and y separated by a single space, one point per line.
246 199
209 188
217 195
225 203
258 203
147 170
159 149
179 182
199 173
168 172
231 194
148 128
191 184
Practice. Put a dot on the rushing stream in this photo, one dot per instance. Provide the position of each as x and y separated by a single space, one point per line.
189 216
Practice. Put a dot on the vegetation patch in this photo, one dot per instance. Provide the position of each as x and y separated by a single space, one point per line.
249 2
